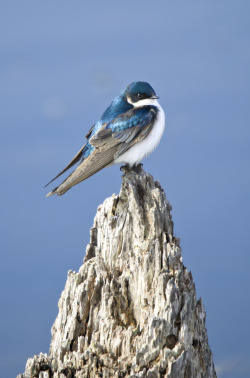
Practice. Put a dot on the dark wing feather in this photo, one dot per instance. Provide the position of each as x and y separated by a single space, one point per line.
73 162
89 133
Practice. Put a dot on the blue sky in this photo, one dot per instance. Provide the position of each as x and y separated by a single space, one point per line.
61 65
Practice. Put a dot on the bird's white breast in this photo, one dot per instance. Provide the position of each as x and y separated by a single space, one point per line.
137 152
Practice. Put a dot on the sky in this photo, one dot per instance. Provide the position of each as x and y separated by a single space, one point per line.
61 65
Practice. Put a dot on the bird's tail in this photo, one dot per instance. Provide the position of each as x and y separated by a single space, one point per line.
73 162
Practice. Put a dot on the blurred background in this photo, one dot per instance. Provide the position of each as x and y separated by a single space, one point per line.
61 65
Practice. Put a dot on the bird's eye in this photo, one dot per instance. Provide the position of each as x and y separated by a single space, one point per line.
139 95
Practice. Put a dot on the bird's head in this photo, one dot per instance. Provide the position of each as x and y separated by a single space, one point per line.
140 93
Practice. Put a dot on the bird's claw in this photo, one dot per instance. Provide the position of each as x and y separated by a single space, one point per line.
124 168
137 168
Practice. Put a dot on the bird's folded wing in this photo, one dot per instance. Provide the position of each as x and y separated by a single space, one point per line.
97 160
111 142
126 130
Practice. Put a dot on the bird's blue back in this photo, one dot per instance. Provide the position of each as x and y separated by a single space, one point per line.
118 106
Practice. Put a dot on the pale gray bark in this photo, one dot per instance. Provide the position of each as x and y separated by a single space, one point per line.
131 310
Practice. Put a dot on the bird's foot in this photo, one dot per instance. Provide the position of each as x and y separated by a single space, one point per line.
125 168
137 168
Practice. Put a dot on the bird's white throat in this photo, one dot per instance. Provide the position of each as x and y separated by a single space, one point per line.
144 102
137 152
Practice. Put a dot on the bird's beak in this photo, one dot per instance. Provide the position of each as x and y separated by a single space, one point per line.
155 97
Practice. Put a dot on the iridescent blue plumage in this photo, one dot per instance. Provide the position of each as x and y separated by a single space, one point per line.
118 106
129 129
140 117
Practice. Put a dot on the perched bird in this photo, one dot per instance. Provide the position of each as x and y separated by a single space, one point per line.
129 129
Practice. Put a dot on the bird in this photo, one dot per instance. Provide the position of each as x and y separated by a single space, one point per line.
129 129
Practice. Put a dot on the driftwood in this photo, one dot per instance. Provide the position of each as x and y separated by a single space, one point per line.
131 310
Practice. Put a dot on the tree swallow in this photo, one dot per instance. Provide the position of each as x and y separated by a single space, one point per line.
129 129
